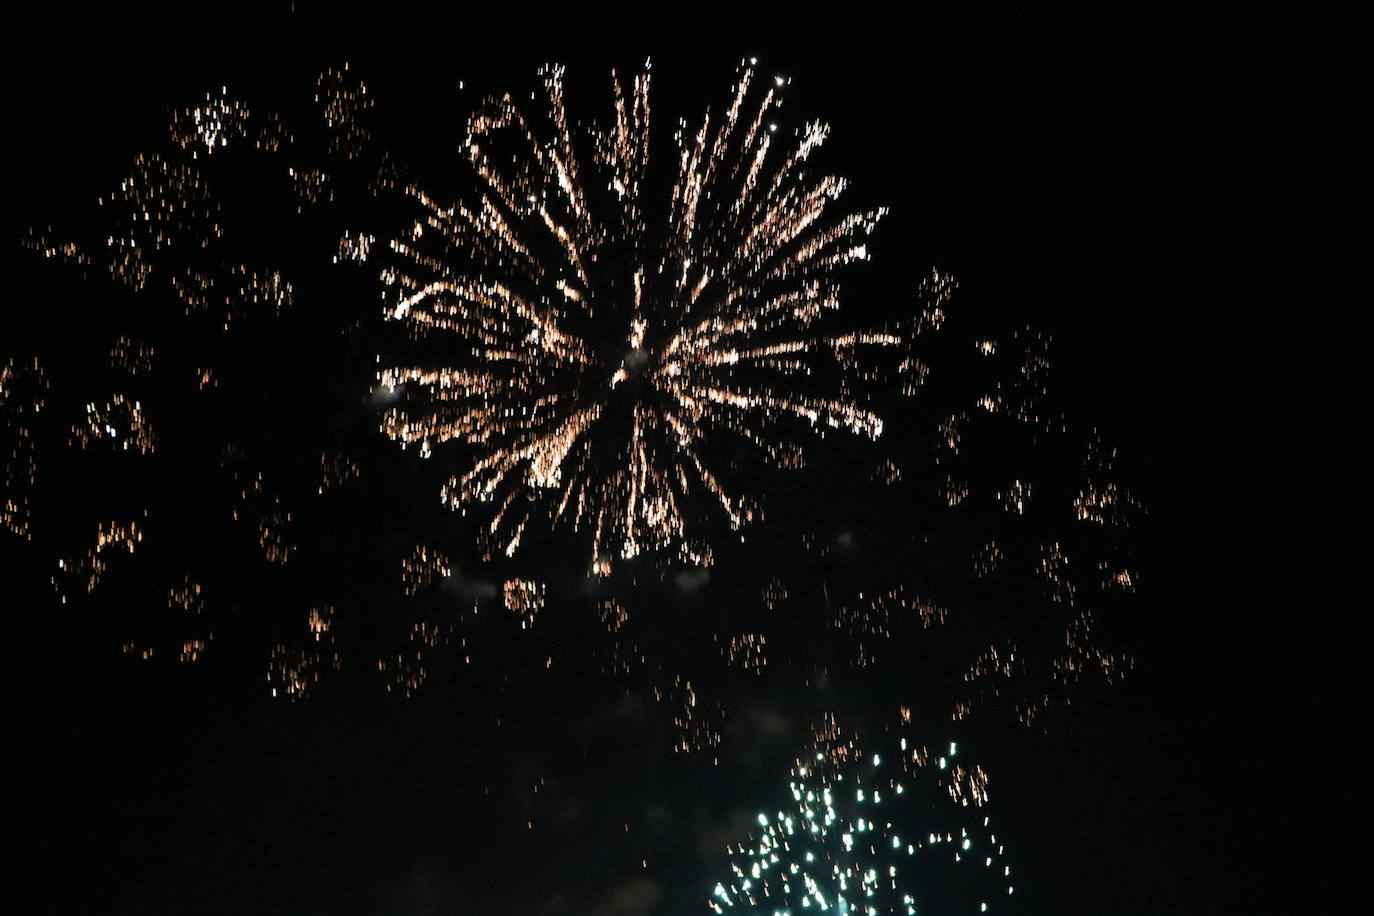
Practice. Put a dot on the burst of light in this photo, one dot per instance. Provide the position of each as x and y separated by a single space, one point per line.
609 337
847 862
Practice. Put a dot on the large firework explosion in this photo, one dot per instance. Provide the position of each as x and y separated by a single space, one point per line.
613 338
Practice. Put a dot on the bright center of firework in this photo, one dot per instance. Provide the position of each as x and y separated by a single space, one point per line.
636 360
606 432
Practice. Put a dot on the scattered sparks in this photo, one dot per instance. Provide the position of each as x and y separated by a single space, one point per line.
295 671
746 651
120 422
335 470
133 358
423 567
87 569
859 833
22 387
523 598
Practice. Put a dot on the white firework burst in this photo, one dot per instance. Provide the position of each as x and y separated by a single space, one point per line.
599 344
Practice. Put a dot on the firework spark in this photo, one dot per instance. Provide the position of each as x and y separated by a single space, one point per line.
860 832
606 350
21 398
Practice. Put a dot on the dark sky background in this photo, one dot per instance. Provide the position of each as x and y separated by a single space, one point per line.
1180 202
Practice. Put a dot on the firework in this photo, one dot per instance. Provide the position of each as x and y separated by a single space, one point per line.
22 387
84 573
605 339
294 670
597 339
901 831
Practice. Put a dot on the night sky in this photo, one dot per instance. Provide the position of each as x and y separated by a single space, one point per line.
1171 206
